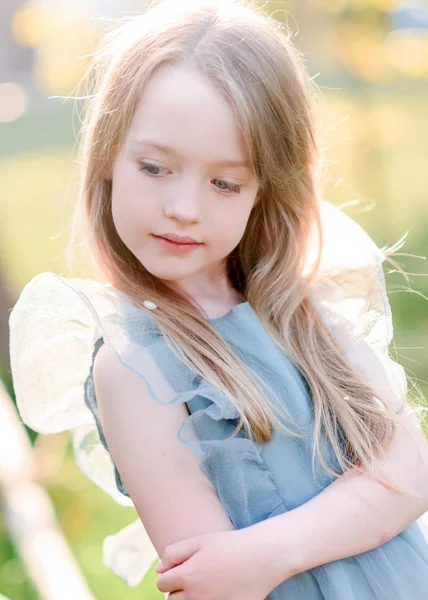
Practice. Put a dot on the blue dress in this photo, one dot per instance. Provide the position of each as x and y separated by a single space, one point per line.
253 481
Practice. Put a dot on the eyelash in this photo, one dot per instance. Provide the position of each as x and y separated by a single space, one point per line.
233 188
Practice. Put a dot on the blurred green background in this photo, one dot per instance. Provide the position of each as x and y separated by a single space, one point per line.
369 59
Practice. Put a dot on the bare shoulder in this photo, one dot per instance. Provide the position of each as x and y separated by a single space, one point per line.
107 366
115 382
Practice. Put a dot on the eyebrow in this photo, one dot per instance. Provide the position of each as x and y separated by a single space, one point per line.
136 142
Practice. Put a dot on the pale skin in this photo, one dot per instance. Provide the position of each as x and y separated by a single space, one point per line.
203 556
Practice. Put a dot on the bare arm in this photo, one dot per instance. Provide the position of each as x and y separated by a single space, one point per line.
173 498
354 514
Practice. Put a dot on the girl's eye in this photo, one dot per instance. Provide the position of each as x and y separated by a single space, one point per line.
146 167
230 187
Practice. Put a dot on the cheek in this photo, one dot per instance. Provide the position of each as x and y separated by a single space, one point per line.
236 219
125 221
130 206
228 228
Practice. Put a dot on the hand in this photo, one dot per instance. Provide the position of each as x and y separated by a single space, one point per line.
217 566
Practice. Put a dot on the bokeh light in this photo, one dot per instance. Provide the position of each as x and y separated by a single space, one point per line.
13 101
407 52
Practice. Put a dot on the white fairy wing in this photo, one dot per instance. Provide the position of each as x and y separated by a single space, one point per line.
351 296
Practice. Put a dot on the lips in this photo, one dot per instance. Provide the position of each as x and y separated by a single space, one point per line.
174 246
176 239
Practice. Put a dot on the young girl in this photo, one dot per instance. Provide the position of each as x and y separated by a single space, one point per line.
227 373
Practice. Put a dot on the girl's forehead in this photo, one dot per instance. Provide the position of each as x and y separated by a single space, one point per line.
180 112
182 91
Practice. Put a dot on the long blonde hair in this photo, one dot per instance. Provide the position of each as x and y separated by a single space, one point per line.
248 57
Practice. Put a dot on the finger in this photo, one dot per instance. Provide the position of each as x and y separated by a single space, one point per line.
177 553
170 581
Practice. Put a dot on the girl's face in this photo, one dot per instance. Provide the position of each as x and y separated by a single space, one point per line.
181 170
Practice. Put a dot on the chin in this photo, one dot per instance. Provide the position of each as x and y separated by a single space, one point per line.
169 273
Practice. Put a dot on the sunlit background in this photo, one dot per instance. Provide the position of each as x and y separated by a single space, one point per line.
369 59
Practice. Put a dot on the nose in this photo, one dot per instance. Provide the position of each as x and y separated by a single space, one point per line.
184 202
